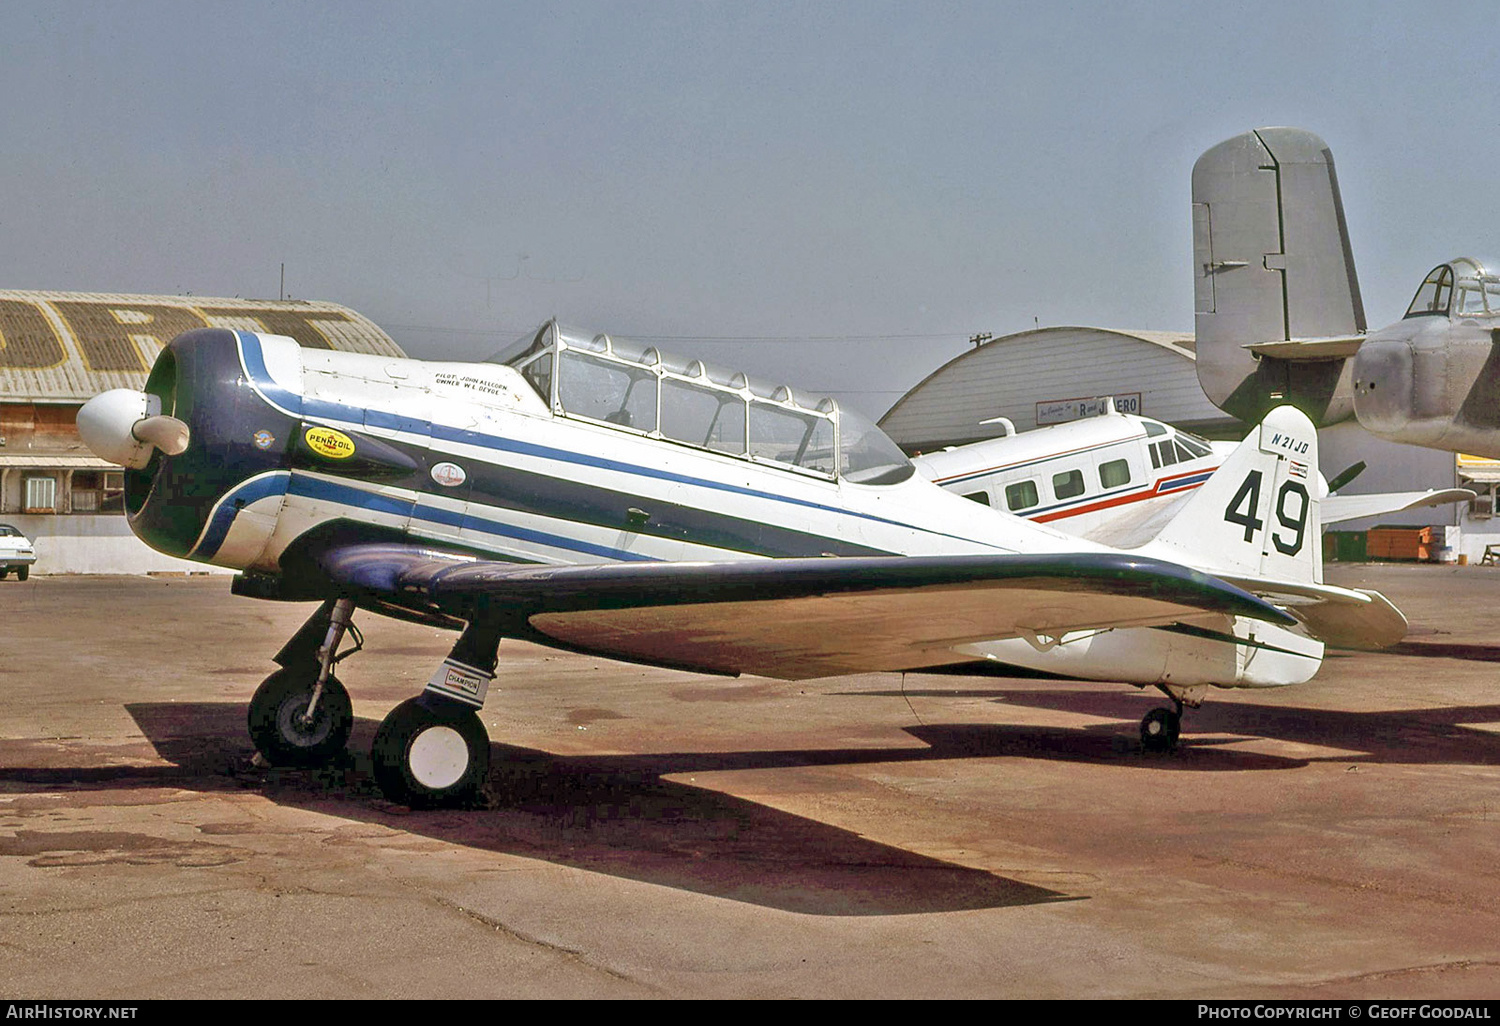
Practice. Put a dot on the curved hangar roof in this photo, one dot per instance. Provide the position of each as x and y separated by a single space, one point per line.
69 346
1049 375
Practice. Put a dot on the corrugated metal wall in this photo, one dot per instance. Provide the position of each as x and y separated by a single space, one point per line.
1011 376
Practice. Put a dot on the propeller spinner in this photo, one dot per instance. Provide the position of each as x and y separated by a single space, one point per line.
124 426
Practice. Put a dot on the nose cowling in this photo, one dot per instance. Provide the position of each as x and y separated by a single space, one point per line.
124 426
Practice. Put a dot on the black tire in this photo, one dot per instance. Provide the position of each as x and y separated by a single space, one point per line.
427 731
275 718
3 572
1159 730
23 572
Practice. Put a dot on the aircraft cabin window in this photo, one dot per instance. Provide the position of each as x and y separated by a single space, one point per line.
983 498
702 416
1478 293
1067 484
1193 444
606 390
869 455
1163 454
787 436
1021 495
632 386
1154 429
1434 295
1114 473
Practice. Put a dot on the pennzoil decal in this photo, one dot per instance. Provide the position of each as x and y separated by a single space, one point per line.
326 441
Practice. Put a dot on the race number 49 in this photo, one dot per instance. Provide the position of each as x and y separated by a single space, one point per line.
1241 513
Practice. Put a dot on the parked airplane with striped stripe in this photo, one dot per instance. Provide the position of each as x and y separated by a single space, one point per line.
1114 478
594 495
1119 479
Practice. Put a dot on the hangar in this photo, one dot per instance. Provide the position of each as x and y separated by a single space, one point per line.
1049 375
59 349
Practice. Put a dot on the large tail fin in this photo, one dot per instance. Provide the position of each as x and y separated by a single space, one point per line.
1272 264
1257 516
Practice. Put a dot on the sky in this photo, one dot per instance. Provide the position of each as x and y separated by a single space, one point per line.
834 195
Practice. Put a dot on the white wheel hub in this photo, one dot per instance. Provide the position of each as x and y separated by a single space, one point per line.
438 757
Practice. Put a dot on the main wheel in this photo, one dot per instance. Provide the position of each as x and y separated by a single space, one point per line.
279 725
1159 730
3 571
430 753
22 572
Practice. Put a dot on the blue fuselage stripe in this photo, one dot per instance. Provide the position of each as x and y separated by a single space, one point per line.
260 377
229 507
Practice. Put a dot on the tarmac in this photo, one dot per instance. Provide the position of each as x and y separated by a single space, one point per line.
651 833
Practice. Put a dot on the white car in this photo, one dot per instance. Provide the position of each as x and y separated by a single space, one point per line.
16 553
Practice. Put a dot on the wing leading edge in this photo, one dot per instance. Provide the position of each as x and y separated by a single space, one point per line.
793 618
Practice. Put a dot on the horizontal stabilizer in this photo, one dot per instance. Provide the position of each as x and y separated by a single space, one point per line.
1338 508
1341 617
1336 347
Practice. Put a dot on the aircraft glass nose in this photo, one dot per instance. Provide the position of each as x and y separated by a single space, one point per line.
124 426
1383 385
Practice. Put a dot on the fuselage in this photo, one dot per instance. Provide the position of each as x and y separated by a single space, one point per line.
469 455
1433 377
574 463
1115 479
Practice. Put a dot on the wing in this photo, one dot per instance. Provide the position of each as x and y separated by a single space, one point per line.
1337 508
792 618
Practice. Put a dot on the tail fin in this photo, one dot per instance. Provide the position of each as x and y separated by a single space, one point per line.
1257 516
1272 263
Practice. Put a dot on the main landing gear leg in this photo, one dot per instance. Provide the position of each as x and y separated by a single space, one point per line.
432 751
301 714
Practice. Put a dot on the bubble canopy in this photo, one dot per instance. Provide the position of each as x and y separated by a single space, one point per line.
640 389
1460 287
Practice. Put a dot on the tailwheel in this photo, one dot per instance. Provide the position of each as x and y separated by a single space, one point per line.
431 753
1159 730
280 724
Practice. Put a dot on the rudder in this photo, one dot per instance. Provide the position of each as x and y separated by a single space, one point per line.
1272 263
1257 516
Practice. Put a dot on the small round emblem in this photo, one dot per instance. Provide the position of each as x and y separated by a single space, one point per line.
264 439
449 475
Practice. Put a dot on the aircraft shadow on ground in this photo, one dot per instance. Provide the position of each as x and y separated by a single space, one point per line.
1447 650
618 814
607 814
1405 736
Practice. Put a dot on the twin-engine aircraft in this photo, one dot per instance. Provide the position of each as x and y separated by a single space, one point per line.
1118 479
597 496
1280 318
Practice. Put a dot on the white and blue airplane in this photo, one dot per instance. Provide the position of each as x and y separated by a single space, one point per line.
598 496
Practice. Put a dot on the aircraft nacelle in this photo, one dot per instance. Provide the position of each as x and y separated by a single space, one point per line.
1433 378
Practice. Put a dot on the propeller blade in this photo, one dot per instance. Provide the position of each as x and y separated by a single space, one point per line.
168 434
1349 474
